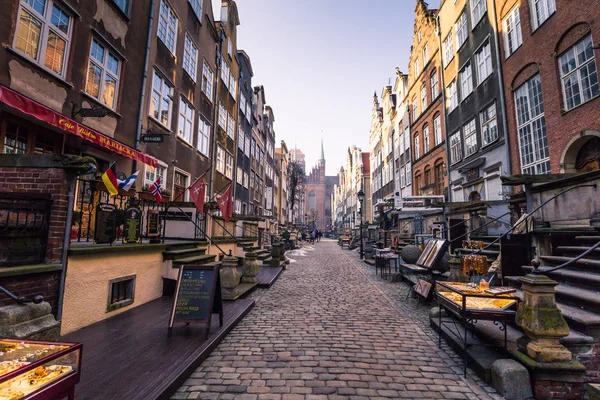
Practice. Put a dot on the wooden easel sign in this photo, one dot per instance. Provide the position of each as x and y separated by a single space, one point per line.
197 296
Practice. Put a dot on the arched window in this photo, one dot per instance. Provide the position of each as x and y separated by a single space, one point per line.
417 147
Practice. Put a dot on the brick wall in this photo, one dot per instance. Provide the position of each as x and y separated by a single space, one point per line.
539 52
53 181
557 390
591 362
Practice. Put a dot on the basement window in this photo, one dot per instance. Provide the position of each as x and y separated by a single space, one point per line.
120 292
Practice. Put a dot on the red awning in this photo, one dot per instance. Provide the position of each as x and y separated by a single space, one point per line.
44 114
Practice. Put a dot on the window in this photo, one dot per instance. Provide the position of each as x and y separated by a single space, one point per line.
427 175
103 75
462 30
241 136
43 34
417 67
162 100
452 96
415 109
578 73
167 26
238 206
466 81
423 97
425 139
121 292
513 38
470 135
197 7
152 174
246 180
478 8
233 86
435 90
220 159
228 166
438 172
489 127
207 80
203 136
230 126
229 47
186 120
123 5
247 147
531 125
402 177
419 36
222 117
224 72
448 49
417 147
190 57
242 103
425 53
541 10
437 129
408 174
455 148
180 184
484 63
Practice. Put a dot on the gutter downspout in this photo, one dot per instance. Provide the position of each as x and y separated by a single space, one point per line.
138 133
443 90
66 240
502 96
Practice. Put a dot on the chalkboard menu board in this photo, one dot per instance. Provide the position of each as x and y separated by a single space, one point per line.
133 226
153 225
198 296
105 229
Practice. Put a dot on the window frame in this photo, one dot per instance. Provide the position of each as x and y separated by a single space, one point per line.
187 106
448 46
550 8
203 138
426 144
196 4
487 123
456 155
417 146
171 97
484 53
515 23
105 71
206 87
470 138
462 29
166 20
434 83
576 72
424 104
187 57
453 98
483 7
463 93
437 129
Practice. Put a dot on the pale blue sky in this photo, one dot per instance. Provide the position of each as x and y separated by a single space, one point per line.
320 62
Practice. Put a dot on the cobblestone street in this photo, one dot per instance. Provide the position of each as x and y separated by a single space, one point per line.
330 329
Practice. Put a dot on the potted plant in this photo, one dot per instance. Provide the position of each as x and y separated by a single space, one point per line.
166 194
75 224
145 194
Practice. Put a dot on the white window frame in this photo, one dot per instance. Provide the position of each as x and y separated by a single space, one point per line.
424 97
168 25
408 173
584 46
240 138
197 7
478 10
425 53
547 8
239 177
150 173
513 37
230 126
162 97
185 132
437 129
203 143
426 146
483 59
417 147
242 103
455 148
435 86
489 125
233 86
220 160
537 159
190 57
105 72
466 80
417 67
470 137
46 27
208 77
462 29
452 95
225 72
222 118
448 49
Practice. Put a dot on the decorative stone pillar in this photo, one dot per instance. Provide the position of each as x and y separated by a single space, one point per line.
541 320
230 277
456 274
275 253
250 269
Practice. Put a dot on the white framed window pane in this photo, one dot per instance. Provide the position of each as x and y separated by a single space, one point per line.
408 174
434 86
417 147
478 8
513 38
167 26
222 116
466 81
541 11
37 5
190 58
197 7
437 126
203 136
489 126
425 139
417 67
225 72
162 100
452 96
455 148
207 80
448 49
28 34
186 121
94 77
220 159
462 31
424 97
470 135
60 19
578 73
484 63
230 127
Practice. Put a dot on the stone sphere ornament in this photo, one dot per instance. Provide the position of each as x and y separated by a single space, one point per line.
410 254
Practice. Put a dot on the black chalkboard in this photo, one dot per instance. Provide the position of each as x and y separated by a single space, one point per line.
105 229
198 296
153 223
132 232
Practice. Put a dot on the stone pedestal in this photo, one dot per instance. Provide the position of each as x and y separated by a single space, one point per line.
276 252
250 269
541 320
230 278
29 321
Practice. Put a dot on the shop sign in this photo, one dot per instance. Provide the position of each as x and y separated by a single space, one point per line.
197 296
153 138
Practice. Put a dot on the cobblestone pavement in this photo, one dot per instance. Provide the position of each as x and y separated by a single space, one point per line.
330 329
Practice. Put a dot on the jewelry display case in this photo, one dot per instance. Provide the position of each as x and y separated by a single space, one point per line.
38 370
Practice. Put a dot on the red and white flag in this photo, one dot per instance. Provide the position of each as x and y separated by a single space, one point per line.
198 193
225 202
155 190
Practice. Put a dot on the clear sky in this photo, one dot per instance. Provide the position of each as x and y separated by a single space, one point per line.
320 62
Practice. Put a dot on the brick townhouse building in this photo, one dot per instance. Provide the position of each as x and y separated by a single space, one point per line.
550 56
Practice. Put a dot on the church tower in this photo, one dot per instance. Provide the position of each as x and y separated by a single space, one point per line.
321 163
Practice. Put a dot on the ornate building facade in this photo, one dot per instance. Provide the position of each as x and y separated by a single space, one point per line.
319 195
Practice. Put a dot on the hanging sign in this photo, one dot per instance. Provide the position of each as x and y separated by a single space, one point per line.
133 226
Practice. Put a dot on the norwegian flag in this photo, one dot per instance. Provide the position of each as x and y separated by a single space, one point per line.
155 190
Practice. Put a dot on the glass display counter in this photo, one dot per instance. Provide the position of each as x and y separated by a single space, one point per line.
38 370
466 304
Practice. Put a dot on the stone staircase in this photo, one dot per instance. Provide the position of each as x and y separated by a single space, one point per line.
193 253
491 252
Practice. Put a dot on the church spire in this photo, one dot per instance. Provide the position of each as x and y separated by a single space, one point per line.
322 158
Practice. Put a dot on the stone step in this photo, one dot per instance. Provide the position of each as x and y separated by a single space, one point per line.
266 260
574 251
590 238
582 263
183 253
578 316
201 260
186 245
584 279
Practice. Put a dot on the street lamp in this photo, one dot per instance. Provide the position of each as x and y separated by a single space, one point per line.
361 198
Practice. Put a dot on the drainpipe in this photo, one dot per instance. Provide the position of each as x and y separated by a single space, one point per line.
216 113
446 138
501 89
138 133
410 152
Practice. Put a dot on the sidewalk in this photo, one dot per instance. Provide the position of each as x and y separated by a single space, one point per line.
330 329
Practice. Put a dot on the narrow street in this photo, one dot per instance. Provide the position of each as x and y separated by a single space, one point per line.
330 329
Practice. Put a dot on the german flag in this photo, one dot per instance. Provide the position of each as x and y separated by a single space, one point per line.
110 180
